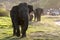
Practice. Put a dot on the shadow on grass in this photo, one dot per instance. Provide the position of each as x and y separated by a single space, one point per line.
11 38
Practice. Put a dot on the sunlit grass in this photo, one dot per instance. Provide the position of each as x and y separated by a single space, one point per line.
46 26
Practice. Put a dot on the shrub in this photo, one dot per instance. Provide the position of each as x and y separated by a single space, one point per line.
4 12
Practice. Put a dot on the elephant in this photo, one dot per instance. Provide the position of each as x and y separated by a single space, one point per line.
30 12
37 13
19 17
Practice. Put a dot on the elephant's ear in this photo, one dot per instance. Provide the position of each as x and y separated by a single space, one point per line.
30 8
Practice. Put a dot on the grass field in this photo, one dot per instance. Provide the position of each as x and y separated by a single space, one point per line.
45 30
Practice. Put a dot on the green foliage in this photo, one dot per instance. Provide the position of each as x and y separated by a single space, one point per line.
4 12
5 22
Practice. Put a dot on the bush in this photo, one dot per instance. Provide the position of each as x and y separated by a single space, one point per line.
4 12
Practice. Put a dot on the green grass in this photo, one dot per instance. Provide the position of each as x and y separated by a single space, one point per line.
46 25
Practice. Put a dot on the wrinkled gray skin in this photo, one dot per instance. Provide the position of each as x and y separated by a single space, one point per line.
37 14
19 17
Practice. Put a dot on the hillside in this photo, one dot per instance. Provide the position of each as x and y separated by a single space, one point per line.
48 3
37 3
